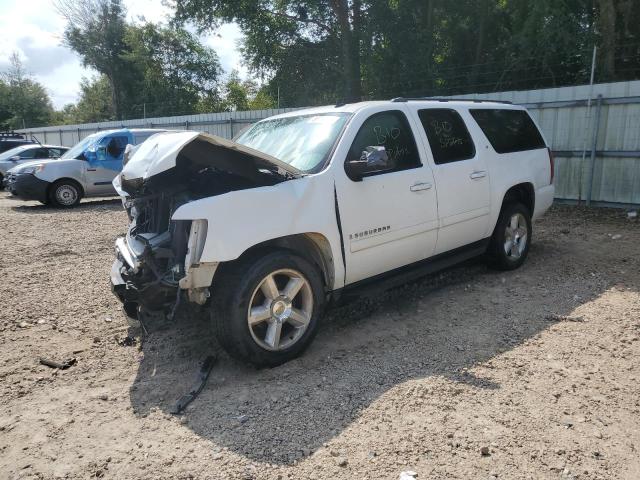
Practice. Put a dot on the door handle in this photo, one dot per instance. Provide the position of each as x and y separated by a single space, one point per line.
478 174
417 187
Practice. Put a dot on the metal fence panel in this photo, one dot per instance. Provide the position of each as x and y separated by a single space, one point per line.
560 112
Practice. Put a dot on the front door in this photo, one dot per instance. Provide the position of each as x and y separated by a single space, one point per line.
389 218
461 174
107 164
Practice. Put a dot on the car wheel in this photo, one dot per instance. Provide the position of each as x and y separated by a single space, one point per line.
511 238
65 194
267 308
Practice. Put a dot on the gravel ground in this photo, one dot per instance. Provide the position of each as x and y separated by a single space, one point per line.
466 374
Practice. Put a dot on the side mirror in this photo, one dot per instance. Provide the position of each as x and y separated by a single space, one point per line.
15 158
373 159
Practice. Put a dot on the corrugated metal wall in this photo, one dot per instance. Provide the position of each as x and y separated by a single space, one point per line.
224 124
562 115
560 112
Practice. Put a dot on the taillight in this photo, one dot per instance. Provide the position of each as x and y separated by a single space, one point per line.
552 165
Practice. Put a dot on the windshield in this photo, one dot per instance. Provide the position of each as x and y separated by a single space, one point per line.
78 148
302 141
13 152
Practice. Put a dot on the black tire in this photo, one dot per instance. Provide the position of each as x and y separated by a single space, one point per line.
65 194
497 251
233 290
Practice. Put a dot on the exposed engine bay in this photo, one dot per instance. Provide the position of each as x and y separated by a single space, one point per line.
157 253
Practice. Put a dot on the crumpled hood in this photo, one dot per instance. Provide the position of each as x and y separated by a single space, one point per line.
159 153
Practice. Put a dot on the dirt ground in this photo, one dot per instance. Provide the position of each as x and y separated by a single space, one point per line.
538 368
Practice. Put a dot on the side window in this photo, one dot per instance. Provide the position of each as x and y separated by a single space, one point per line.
448 136
42 153
54 153
392 131
508 130
27 154
116 146
141 137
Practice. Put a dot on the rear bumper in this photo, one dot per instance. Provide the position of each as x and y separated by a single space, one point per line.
29 187
544 200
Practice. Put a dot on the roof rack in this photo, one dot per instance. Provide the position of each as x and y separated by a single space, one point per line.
11 134
434 99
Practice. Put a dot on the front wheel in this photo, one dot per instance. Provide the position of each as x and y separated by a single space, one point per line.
511 238
65 194
267 308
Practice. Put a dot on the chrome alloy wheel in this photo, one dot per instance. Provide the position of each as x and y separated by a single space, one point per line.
516 236
280 309
66 194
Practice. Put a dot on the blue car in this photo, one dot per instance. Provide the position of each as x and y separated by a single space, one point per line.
85 170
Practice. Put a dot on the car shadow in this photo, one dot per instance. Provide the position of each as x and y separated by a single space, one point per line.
440 326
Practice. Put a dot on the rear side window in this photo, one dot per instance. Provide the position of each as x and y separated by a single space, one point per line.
141 137
509 130
448 136
55 152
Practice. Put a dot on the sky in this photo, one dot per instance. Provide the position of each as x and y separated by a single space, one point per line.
34 29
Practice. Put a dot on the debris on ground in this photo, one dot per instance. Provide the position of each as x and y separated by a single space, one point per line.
128 341
408 475
61 366
203 375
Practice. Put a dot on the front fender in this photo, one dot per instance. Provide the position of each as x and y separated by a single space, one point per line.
57 169
242 219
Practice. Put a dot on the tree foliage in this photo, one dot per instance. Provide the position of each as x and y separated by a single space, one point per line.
150 69
23 101
322 50
94 105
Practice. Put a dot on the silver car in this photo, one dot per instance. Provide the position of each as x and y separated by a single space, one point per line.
28 153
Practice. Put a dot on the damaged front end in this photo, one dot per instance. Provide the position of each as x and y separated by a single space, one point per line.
159 258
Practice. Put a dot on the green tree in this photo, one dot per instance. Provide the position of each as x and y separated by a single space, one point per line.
23 101
150 69
94 104
239 95
96 31
320 51
172 70
293 37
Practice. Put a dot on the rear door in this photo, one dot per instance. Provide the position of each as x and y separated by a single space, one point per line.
461 176
389 218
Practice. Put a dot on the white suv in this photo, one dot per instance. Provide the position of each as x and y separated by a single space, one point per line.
307 206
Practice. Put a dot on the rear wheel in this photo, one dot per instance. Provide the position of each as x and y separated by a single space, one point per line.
65 194
267 308
511 238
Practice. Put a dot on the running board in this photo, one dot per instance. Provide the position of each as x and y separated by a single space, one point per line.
399 276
